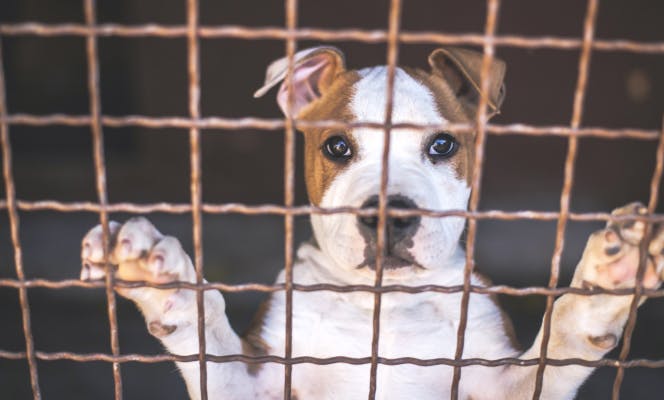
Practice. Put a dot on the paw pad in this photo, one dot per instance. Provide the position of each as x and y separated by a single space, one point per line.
612 256
605 342
160 330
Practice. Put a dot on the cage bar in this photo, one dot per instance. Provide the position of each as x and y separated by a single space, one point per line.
328 35
289 190
381 226
150 359
568 182
278 124
273 209
12 210
100 179
257 287
193 69
480 138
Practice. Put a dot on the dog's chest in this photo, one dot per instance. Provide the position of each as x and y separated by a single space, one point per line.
327 325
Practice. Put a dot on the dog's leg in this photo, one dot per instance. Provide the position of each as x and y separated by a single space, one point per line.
139 252
588 327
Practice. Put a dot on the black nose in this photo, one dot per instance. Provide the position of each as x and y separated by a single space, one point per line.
397 227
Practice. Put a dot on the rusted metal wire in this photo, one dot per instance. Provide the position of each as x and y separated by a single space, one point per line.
568 181
481 119
10 193
258 287
655 184
100 180
328 35
193 69
278 124
194 123
289 190
273 209
381 226
142 358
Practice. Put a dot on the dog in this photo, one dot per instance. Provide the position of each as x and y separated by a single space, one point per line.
427 169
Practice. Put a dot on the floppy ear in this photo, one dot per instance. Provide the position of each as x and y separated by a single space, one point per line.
314 71
461 69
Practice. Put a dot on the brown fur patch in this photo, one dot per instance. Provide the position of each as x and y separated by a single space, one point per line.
252 341
320 172
454 111
508 327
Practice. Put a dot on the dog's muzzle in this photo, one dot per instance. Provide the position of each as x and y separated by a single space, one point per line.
399 233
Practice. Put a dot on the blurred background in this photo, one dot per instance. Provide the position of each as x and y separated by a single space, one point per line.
148 76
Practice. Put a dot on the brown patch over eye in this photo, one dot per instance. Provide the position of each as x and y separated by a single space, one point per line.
453 111
326 153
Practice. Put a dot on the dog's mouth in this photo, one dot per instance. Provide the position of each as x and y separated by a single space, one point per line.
390 262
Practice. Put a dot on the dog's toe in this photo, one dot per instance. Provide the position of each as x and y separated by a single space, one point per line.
630 230
93 264
168 262
135 239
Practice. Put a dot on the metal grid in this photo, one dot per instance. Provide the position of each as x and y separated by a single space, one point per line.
291 34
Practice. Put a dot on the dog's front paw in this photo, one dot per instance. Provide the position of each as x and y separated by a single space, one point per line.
611 261
138 252
611 257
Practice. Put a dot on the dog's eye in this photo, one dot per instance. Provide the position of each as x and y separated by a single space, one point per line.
443 146
337 148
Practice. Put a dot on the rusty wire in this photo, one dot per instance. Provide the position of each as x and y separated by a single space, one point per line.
328 35
273 209
143 358
10 192
568 181
194 123
100 180
289 190
381 227
259 287
193 70
277 124
481 119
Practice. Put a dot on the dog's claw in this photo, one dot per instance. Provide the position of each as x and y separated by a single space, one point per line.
86 252
124 249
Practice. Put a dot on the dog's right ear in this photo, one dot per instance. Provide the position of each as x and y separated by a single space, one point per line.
314 71
461 68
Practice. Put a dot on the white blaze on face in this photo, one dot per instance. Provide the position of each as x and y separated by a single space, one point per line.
411 174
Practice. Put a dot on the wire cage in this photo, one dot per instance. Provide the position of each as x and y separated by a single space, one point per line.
193 32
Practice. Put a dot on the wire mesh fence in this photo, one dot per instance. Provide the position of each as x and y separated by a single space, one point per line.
393 37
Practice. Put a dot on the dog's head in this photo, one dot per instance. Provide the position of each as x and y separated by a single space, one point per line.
427 169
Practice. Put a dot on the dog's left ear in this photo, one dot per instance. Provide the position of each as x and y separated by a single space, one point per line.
461 69
314 71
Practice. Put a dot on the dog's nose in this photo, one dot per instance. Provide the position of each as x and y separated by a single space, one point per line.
397 227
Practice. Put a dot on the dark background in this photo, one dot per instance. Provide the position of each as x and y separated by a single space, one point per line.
148 76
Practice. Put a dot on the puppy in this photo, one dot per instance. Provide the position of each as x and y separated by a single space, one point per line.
428 169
